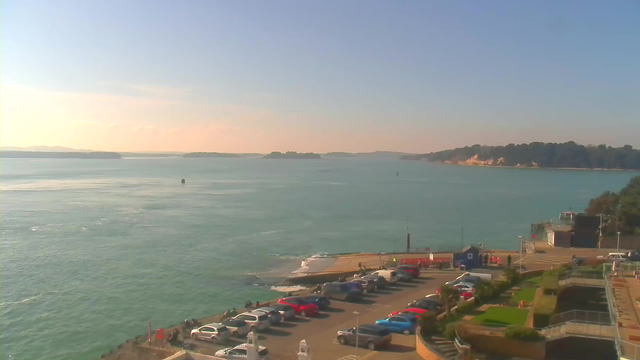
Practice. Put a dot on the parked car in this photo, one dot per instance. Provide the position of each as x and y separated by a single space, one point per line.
351 284
430 304
256 320
619 256
371 336
286 311
341 291
237 328
404 276
413 270
300 305
466 279
401 323
322 301
380 282
274 315
215 332
240 352
409 311
633 255
436 296
369 285
390 275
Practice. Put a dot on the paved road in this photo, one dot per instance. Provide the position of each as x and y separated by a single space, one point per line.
320 332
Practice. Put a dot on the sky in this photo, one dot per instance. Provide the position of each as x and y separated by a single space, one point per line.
262 76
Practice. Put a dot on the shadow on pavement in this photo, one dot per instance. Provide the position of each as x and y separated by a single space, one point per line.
284 325
366 302
322 316
383 292
406 285
334 310
397 348
276 332
299 319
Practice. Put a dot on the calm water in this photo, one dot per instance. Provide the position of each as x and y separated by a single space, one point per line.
92 249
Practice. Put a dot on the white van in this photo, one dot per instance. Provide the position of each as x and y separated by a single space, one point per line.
390 275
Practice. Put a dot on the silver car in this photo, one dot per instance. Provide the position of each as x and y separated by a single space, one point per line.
274 315
215 332
287 311
257 320
240 352
238 328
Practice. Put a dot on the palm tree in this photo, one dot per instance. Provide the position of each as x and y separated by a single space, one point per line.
448 296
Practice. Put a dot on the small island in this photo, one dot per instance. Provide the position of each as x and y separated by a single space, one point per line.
291 155
59 155
567 155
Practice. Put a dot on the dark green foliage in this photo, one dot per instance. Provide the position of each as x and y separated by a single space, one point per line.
550 155
511 275
464 307
521 333
428 322
543 309
621 212
449 332
448 296
484 291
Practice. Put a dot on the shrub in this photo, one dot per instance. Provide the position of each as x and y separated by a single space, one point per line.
428 322
449 332
511 275
499 286
543 310
484 290
522 333
464 307
550 284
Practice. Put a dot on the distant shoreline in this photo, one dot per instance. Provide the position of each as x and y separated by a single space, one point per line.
526 167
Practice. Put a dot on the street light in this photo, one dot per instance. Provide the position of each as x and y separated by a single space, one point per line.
618 247
520 237
357 331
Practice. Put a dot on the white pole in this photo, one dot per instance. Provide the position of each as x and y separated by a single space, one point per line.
521 256
357 331
618 247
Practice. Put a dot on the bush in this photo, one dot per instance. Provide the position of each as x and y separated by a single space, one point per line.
499 286
550 284
511 275
484 290
464 307
543 310
522 333
428 322
449 332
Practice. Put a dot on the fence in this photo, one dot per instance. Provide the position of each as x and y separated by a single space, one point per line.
625 349
582 316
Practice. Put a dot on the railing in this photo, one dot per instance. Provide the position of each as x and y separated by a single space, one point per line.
577 328
582 316
625 349
460 344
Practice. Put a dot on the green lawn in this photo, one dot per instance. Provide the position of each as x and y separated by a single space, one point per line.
502 316
525 294
535 280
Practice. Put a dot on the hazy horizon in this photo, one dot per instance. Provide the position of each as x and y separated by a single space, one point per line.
256 77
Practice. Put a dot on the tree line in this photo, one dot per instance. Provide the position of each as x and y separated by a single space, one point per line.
549 155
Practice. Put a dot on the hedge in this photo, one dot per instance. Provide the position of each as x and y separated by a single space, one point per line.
550 284
449 332
543 309
464 307
428 322
522 333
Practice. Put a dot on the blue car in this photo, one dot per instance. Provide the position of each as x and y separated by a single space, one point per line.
401 323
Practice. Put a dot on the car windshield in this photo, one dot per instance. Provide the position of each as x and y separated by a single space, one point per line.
263 352
222 329
263 317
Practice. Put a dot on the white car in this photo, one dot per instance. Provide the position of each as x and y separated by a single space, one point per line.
464 287
435 296
238 328
274 315
621 257
215 332
240 352
390 275
257 320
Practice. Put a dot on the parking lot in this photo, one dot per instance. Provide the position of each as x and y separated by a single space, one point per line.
283 339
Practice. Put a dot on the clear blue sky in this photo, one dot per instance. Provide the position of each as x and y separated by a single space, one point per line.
318 76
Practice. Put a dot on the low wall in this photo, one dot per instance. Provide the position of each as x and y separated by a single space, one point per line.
320 278
423 348
490 341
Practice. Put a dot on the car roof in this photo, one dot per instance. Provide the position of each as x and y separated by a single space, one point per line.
213 325
406 316
254 312
415 310
244 346
292 297
232 322
265 309
372 327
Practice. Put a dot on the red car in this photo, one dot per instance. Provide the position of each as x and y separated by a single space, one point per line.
300 305
409 311
413 270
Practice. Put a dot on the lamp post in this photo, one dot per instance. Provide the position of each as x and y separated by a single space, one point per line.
618 247
357 331
521 253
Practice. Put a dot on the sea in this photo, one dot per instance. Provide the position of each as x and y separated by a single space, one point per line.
90 250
